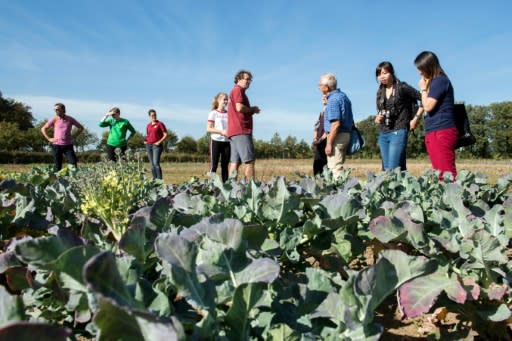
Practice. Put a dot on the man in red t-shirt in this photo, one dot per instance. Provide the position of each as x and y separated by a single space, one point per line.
240 125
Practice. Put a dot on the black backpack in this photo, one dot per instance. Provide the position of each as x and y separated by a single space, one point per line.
466 137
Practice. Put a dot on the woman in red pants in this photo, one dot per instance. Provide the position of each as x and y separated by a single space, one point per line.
438 100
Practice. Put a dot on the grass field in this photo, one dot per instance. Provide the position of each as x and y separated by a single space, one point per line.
265 169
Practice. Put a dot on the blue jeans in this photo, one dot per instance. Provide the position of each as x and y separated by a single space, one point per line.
393 147
154 153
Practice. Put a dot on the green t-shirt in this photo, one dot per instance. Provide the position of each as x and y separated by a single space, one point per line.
118 129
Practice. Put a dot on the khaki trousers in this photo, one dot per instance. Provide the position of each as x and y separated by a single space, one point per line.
339 151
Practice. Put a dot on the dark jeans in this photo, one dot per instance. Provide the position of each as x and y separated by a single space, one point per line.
220 151
320 159
111 152
393 145
154 153
58 151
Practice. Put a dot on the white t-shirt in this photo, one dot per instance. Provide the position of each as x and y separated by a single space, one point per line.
220 121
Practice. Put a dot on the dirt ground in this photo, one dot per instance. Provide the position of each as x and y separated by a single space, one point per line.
439 325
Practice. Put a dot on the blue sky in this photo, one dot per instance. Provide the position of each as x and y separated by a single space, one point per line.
174 56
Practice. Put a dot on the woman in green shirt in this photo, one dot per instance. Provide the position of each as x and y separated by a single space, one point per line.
117 135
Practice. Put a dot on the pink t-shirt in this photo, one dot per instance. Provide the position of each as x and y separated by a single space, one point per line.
238 122
62 129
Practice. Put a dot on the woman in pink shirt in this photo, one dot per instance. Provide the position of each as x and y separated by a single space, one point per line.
62 140
156 133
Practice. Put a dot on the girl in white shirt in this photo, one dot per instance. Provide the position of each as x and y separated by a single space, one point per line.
219 143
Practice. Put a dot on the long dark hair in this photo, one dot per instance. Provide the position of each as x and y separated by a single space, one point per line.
380 92
428 63
385 66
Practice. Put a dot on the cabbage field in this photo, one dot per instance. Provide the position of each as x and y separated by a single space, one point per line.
104 253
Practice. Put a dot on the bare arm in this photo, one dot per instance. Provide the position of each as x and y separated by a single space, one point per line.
429 103
45 134
416 119
212 130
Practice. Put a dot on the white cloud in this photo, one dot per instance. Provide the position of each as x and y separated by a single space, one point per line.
183 120
89 112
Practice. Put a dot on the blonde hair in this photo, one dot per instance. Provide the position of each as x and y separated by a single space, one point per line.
215 101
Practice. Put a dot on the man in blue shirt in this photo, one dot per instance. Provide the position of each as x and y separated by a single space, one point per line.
338 122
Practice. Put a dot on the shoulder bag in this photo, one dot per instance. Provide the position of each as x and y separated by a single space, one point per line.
466 137
356 141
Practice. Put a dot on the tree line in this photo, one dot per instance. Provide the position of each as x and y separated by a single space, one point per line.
490 124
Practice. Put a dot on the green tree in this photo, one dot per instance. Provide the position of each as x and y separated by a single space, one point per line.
500 127
103 140
136 141
16 112
416 142
16 123
203 144
10 136
289 147
34 140
171 140
303 150
370 132
187 145
276 144
85 139
479 118
263 149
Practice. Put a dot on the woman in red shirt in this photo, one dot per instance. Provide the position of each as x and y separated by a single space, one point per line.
156 133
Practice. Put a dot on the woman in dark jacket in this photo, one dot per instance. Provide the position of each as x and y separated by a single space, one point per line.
395 116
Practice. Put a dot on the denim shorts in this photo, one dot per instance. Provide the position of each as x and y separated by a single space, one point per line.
242 149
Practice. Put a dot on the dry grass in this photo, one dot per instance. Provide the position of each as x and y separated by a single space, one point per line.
292 168
265 169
